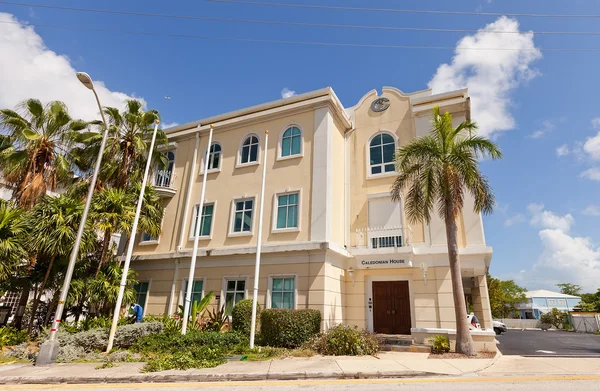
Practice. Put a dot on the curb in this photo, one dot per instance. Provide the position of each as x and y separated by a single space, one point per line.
167 378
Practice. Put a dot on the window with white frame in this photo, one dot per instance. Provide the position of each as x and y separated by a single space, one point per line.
283 292
196 291
214 157
235 292
551 302
205 221
146 237
141 294
287 211
249 152
381 154
291 142
11 299
562 302
242 215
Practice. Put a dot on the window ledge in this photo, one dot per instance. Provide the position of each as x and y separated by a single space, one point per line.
211 171
238 234
279 158
148 243
251 164
384 175
191 238
285 230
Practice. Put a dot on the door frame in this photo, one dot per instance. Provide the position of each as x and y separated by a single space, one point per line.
369 281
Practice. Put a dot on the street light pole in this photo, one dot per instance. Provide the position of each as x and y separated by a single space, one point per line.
115 320
49 349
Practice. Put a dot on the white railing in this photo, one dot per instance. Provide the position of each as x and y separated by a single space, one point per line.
164 178
383 237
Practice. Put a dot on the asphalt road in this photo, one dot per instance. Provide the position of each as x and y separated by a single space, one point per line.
430 384
548 343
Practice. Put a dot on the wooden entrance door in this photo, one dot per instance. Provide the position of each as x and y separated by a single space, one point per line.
391 307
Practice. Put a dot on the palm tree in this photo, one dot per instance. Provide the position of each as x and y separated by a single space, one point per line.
435 171
127 146
53 223
13 230
38 157
112 211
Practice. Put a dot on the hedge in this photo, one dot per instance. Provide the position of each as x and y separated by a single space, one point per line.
242 316
289 328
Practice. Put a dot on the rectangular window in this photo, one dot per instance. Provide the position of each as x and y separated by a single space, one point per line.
551 302
141 294
236 291
282 293
196 291
242 219
206 220
287 211
146 237
562 302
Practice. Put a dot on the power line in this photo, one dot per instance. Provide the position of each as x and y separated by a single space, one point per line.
305 43
301 24
409 11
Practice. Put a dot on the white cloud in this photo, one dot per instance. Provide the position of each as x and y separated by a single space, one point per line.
567 258
287 93
563 150
491 76
516 219
168 125
592 210
592 146
591 173
564 258
31 70
547 219
547 127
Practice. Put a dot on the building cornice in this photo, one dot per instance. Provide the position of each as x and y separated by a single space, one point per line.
325 97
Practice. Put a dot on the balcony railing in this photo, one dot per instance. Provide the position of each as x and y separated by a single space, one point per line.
383 237
164 183
164 178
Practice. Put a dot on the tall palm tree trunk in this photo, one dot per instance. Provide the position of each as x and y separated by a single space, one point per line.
18 319
105 247
464 341
38 296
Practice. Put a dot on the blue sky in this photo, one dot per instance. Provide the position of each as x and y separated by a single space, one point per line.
542 246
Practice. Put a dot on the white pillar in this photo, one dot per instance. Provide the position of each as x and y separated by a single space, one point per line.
190 283
258 244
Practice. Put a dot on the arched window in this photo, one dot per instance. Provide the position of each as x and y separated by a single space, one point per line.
381 154
249 152
214 157
291 142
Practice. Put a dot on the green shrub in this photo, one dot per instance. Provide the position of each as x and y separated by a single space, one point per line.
10 336
440 344
194 357
555 317
24 351
242 316
289 328
175 342
344 340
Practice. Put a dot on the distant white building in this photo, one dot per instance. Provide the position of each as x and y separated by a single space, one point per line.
541 301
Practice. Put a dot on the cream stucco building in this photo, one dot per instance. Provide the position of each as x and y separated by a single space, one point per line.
332 239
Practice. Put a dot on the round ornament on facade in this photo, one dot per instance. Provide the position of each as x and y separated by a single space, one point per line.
380 104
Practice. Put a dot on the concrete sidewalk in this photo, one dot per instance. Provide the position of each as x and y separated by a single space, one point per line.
386 365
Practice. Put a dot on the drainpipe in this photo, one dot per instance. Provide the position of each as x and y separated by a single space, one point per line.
188 194
347 187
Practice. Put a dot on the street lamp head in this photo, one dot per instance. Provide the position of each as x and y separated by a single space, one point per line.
85 79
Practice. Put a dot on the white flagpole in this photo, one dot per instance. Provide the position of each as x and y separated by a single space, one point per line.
190 281
138 210
258 243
